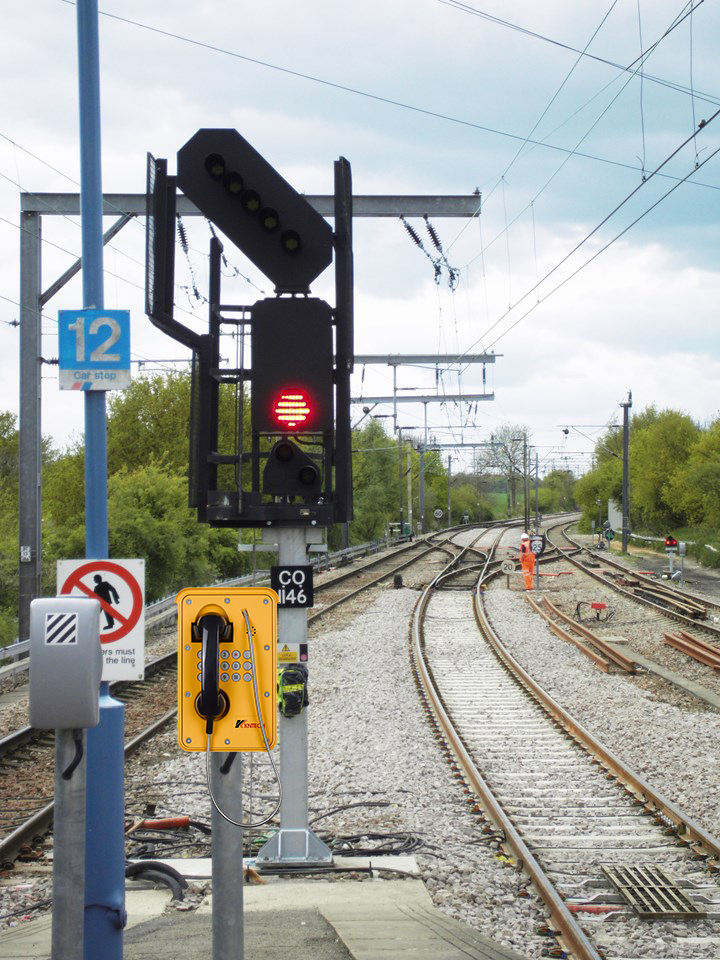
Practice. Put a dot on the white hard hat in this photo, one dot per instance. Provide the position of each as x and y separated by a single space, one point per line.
524 537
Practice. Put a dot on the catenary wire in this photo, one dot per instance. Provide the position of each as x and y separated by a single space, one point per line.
632 69
605 219
679 88
605 247
554 97
356 91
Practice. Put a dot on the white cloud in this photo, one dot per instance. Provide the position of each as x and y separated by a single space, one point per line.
642 316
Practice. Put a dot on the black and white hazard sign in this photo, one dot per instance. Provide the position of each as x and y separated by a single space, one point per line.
293 585
61 628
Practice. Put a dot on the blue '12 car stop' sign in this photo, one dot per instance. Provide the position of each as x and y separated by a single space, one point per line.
94 349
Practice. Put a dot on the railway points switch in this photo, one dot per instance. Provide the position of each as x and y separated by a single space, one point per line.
222 673
65 663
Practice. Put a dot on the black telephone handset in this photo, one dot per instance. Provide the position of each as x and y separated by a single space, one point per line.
211 703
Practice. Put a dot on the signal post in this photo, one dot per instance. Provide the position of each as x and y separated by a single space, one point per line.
295 843
292 475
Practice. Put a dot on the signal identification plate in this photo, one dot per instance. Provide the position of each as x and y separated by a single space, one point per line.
293 585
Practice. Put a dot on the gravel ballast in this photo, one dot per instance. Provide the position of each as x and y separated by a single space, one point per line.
371 742
675 748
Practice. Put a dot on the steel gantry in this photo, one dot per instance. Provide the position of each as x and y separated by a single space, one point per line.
124 207
436 361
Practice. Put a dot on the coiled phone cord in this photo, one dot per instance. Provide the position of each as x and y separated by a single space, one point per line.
260 823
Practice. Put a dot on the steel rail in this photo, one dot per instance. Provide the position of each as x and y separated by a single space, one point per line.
597 658
428 539
573 937
643 791
618 658
453 569
673 614
569 932
611 561
313 618
40 821
18 737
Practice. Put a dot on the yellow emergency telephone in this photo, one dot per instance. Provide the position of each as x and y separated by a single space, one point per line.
227 659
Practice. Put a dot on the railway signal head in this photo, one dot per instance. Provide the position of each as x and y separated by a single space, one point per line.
273 224
292 366
290 472
670 542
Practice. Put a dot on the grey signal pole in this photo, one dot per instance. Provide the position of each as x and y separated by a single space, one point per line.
409 490
626 472
294 843
30 452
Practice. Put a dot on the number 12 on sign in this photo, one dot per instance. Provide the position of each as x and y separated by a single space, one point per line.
94 349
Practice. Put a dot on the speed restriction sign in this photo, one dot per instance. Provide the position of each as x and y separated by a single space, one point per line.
508 566
537 544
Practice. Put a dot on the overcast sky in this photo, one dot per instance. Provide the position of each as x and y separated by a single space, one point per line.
422 97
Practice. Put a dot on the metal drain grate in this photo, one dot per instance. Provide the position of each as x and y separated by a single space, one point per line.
650 892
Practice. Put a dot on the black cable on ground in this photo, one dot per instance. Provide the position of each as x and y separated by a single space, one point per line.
18 913
350 806
156 872
314 871
392 844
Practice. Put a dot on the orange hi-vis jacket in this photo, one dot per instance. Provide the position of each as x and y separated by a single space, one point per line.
527 562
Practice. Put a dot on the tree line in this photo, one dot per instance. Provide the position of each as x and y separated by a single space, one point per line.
148 513
674 477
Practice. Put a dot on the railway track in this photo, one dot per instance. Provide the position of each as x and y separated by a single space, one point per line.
556 802
685 608
344 586
26 755
27 760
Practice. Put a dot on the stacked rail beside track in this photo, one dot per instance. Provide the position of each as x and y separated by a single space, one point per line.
686 609
603 655
695 648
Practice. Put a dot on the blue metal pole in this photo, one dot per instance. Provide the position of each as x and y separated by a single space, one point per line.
104 831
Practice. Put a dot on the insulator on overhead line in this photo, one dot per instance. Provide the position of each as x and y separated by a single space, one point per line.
182 235
433 234
412 232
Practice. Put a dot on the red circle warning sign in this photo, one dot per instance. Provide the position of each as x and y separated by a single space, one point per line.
106 578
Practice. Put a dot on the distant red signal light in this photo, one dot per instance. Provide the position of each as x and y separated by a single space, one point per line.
292 409
670 541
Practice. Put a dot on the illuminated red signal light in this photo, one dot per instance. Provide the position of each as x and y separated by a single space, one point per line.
670 541
292 409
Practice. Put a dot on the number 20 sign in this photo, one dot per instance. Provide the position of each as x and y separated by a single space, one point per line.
94 349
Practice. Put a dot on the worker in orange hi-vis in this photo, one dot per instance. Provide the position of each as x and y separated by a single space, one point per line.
527 561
